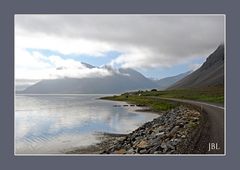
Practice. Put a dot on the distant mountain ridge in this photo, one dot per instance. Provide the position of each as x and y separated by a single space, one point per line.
168 81
210 74
121 81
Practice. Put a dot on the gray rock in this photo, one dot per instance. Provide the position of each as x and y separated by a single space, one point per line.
163 145
154 148
157 152
170 146
160 134
173 131
130 151
156 141
142 151
174 142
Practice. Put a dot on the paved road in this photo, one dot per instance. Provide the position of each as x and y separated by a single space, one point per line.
213 131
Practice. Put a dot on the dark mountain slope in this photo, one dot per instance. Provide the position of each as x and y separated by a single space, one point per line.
210 74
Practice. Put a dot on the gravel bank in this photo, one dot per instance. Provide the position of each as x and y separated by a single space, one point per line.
173 132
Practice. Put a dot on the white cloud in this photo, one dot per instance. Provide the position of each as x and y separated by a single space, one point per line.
62 45
145 41
37 66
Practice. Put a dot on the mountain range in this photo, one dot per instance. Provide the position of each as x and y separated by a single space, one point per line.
168 81
211 73
121 80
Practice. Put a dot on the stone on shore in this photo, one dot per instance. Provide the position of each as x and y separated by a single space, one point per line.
166 134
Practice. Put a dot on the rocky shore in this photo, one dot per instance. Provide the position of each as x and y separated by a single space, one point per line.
173 132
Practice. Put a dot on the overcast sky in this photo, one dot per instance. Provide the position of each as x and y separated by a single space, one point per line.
155 45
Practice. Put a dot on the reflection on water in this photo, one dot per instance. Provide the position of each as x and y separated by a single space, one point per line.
57 123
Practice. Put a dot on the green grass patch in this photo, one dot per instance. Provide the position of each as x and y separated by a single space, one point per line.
153 103
212 95
146 98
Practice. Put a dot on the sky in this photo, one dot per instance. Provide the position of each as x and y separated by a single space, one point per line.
158 46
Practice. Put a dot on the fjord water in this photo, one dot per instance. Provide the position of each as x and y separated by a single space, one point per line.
52 124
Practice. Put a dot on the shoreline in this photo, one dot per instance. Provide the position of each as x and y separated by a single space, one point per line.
173 132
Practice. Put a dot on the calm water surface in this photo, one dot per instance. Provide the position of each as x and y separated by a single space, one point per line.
60 123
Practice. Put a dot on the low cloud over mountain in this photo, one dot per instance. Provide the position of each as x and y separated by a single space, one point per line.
119 81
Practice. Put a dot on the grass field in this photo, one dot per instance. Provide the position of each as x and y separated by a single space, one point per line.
153 104
212 95
143 98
